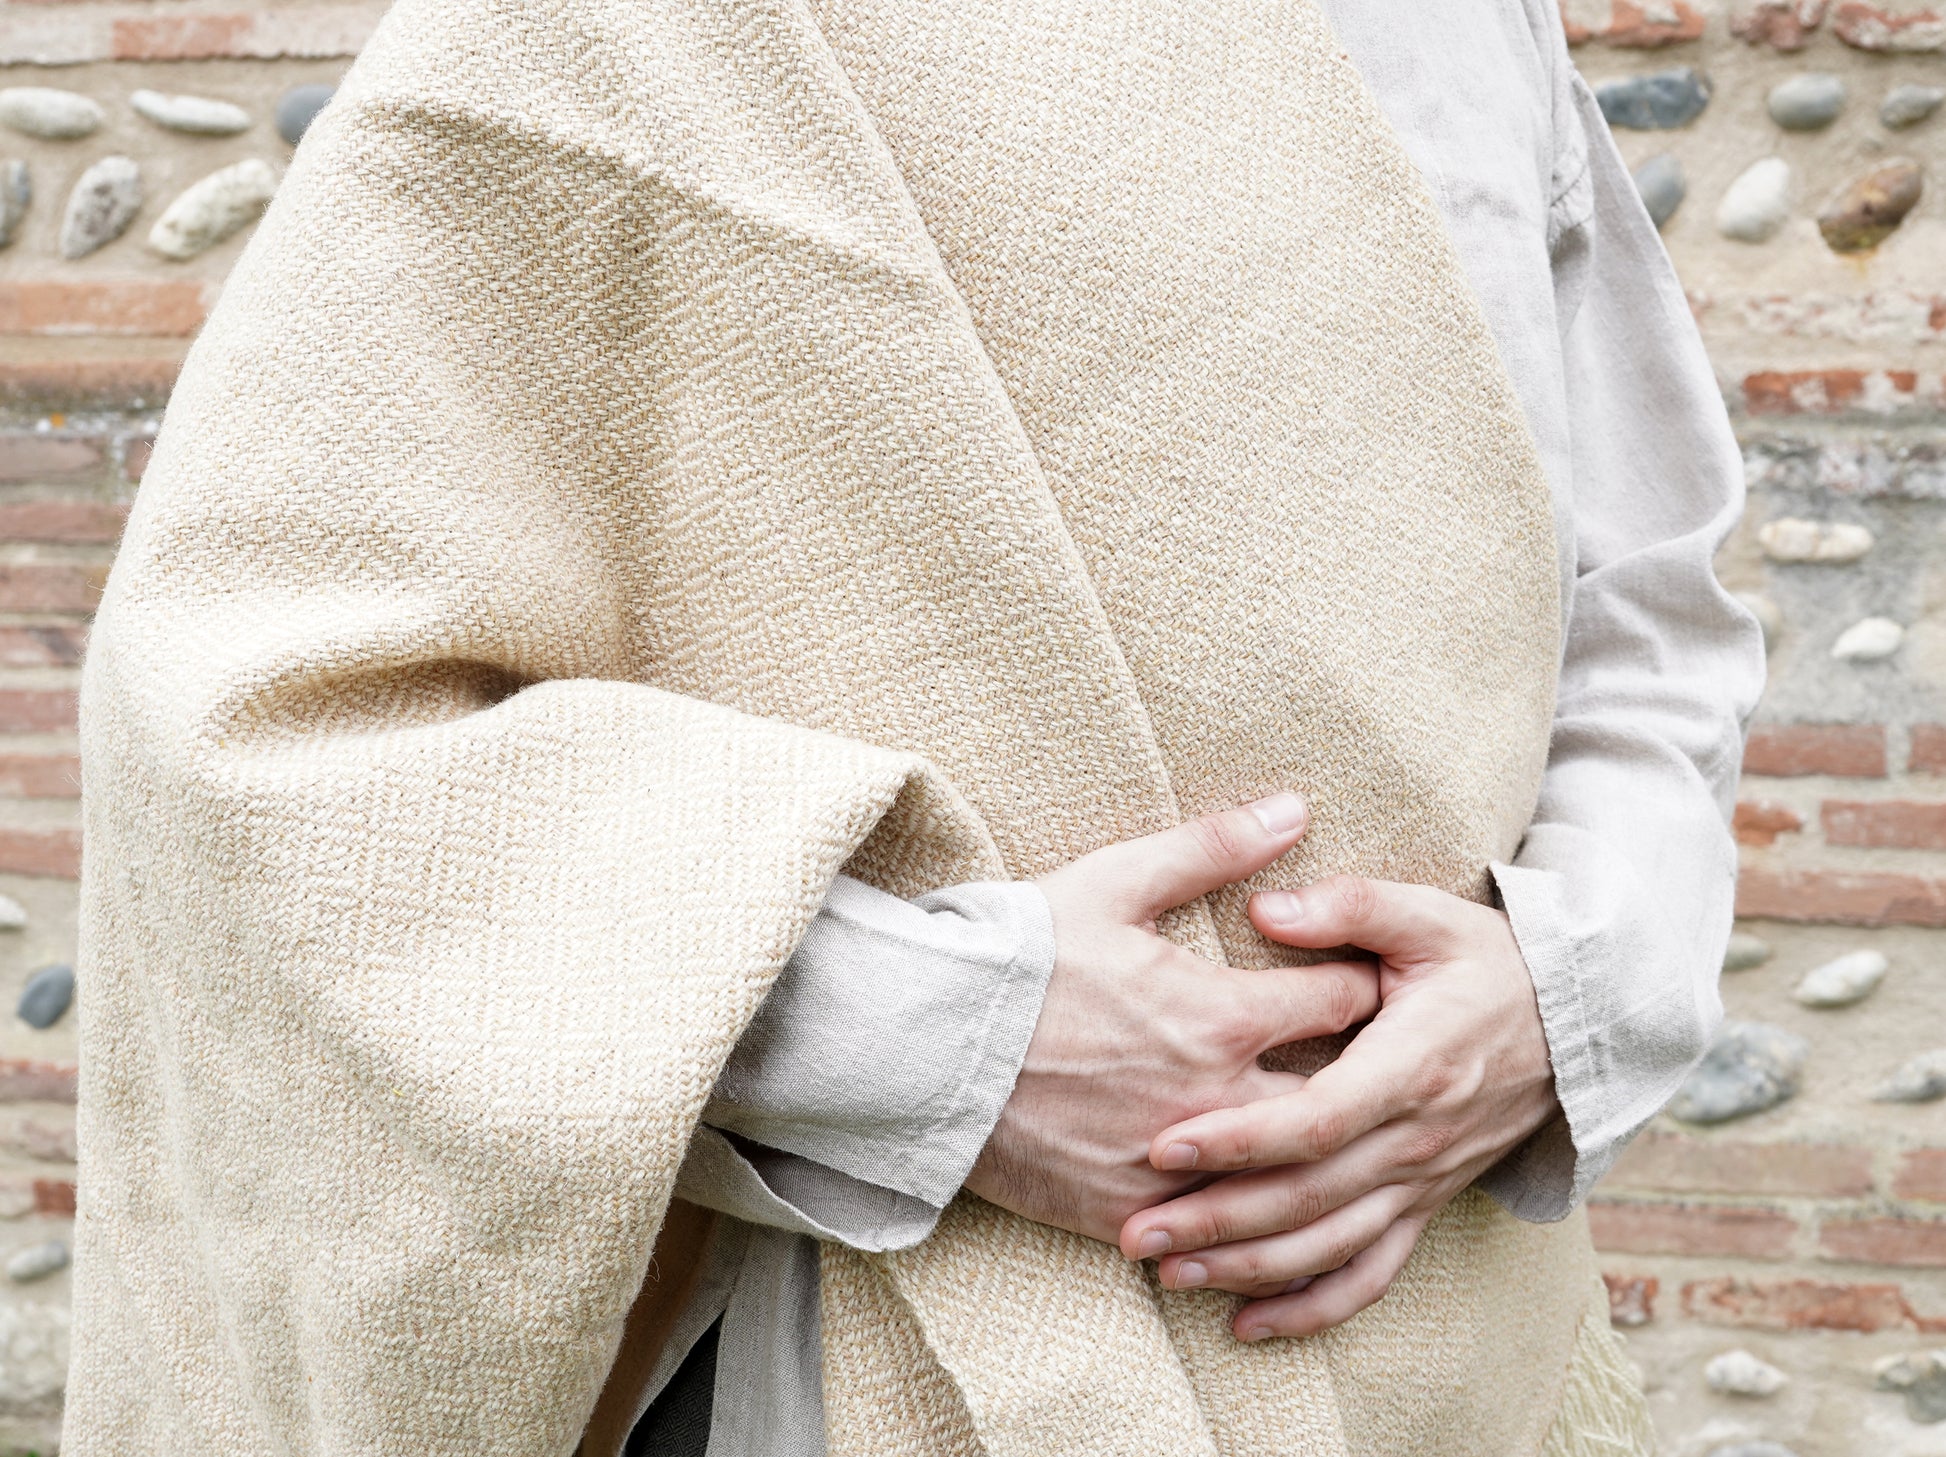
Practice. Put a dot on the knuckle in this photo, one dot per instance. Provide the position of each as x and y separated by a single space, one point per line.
1330 1131
1342 1003
1304 1203
1426 1143
1356 898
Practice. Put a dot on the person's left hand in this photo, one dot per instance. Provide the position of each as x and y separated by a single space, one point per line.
1343 1173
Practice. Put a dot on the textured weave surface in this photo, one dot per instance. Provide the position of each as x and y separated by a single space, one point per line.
650 457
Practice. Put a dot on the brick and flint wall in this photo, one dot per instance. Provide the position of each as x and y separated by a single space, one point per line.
1810 1235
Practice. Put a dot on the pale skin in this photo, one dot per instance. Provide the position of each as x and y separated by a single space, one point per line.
1142 1118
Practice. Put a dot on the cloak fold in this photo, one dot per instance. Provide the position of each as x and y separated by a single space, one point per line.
651 457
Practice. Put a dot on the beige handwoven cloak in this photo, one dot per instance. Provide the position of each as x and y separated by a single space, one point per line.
656 453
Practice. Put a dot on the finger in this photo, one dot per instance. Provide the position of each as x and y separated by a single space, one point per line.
1290 1003
1335 1298
1407 921
1158 872
1333 1241
1371 1083
1262 1201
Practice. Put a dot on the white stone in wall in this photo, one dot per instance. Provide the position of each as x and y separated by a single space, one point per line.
16 192
1918 1079
42 111
1850 978
1869 640
13 915
1794 539
1744 952
36 1262
209 211
104 202
190 113
1755 205
1740 1373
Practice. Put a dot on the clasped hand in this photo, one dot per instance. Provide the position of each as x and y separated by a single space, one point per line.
1142 1116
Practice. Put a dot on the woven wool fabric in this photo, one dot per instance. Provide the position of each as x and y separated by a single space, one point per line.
650 457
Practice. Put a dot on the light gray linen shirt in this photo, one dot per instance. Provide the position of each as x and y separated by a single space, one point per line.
860 1099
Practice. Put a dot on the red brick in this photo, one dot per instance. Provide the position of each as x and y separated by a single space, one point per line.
51 587
1783 24
53 853
1841 898
54 1196
1887 1241
37 710
71 522
56 646
1631 1298
25 1081
1691 1229
25 456
1631 27
172 308
1926 748
180 37
1789 750
1675 1163
1819 391
1761 821
135 459
1790 1305
40 776
1889 28
1921 1175
1892 824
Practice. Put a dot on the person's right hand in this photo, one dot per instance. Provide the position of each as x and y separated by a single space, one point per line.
1137 1034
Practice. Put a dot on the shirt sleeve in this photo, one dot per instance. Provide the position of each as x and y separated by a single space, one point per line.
1621 893
857 1101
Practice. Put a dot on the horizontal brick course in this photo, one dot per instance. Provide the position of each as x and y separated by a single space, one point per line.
55 645
40 776
54 1196
1885 1241
1631 27
1893 824
88 381
51 587
37 710
1790 1305
1674 1163
74 523
1830 391
1691 1229
28 456
25 1080
172 308
1921 1175
1844 750
1926 748
1631 1298
1841 897
52 853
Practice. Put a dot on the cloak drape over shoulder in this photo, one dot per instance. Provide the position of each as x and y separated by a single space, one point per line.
656 454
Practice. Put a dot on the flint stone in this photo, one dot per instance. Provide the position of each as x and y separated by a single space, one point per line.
41 111
1909 105
299 108
1744 952
1739 1373
1656 102
1769 618
36 1262
1794 539
104 202
1755 205
1850 978
16 191
1918 1079
1868 210
49 991
13 915
33 1355
209 211
197 114
1750 1067
1807 103
1660 182
1870 640
1921 1378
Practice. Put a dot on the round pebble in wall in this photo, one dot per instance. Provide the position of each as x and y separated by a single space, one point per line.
299 108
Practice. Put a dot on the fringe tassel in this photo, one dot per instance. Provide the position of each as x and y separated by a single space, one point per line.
1602 1411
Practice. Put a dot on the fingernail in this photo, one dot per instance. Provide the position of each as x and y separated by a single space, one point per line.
1189 1275
1280 907
1258 1333
1155 1242
1178 1156
1279 814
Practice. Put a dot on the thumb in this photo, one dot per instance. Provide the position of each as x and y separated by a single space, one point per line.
1155 873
